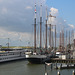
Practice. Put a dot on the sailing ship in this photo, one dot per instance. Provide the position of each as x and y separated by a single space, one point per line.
42 57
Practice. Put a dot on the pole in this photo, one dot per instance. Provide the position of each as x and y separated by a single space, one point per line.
66 40
46 31
69 39
35 30
8 43
60 42
46 69
52 38
41 27
55 37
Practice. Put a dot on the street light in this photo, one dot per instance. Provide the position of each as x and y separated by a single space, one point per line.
8 42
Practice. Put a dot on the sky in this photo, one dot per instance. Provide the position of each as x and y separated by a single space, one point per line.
17 19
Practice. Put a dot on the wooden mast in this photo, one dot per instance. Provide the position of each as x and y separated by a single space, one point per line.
55 37
46 30
60 41
69 39
35 30
51 43
40 27
66 40
50 36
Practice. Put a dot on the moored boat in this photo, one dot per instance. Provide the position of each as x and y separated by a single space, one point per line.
37 58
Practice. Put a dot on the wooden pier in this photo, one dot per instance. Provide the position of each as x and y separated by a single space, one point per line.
57 60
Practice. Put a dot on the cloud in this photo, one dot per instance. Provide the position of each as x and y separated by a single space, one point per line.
15 37
17 19
59 22
4 10
71 25
17 15
53 20
54 11
28 7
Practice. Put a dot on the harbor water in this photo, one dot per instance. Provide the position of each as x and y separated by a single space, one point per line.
23 68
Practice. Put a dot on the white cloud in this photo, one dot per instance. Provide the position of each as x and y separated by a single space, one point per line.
17 17
28 7
20 17
64 20
58 21
71 25
15 37
54 11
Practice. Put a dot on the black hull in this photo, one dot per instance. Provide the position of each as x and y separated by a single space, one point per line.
38 60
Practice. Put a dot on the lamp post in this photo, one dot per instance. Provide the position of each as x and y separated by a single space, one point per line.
8 43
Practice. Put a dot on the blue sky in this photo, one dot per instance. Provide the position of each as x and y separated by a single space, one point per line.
65 7
17 18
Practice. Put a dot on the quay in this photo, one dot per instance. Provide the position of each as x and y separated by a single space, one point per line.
57 60
61 67
62 63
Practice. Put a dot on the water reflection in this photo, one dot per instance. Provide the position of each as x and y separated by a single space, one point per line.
23 68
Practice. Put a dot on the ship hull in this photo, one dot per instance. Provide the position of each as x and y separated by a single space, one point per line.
38 59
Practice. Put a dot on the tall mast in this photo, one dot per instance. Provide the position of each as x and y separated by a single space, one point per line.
60 41
66 40
35 30
69 39
50 35
55 37
50 32
40 27
63 39
73 38
46 29
52 38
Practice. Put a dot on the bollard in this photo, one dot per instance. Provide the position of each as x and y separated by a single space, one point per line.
46 73
56 66
58 73
51 66
73 72
61 65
